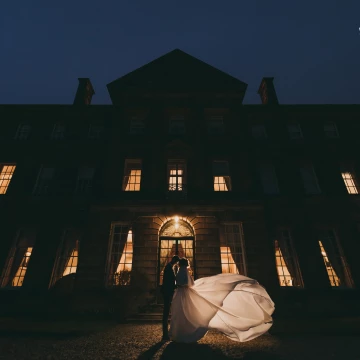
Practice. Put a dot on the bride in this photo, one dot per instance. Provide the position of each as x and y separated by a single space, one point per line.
233 304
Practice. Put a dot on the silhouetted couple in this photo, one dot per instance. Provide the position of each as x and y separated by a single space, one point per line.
233 304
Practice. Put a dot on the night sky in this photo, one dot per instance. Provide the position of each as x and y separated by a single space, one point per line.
311 47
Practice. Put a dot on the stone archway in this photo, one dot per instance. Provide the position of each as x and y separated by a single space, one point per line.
176 237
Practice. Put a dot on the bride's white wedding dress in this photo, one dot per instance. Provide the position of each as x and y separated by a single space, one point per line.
233 304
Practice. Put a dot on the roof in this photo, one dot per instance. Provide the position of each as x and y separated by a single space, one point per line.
176 71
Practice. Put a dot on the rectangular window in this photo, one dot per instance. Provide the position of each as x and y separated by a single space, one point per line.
17 262
58 131
335 263
67 256
311 185
259 131
176 175
23 131
95 131
132 175
137 126
232 250
44 181
287 265
120 255
6 174
330 129
268 179
85 180
216 125
294 130
177 124
222 180
350 182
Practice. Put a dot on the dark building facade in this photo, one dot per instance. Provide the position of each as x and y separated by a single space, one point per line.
94 200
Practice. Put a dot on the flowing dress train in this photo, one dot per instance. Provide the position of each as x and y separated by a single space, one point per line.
235 305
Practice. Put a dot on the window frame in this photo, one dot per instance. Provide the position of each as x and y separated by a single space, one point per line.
6 174
217 120
221 172
49 182
327 132
132 164
309 165
19 135
291 133
177 119
273 175
259 135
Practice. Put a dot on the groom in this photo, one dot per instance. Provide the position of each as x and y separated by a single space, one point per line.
167 289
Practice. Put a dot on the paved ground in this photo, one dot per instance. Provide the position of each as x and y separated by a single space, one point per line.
139 341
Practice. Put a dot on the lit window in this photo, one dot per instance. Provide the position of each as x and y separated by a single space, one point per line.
294 131
335 263
121 256
23 132
221 175
259 131
177 125
18 259
309 178
137 126
330 130
132 175
268 179
349 180
176 175
44 181
286 261
95 131
232 251
58 131
216 125
6 174
67 256
85 180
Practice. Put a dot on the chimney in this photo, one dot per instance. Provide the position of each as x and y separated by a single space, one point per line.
267 91
84 92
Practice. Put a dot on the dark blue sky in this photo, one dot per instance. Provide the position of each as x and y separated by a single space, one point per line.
311 47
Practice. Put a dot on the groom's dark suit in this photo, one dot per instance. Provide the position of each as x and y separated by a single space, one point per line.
168 288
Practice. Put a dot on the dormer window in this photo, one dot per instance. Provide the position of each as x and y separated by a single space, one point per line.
294 131
95 131
330 130
216 125
58 131
177 124
23 131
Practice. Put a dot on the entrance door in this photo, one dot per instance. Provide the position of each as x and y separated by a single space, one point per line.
169 246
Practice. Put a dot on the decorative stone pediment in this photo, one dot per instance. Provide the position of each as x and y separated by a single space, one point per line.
176 229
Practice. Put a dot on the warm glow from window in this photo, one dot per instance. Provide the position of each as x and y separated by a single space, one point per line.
334 280
282 270
133 182
220 183
228 265
125 263
176 179
72 262
21 272
349 182
5 177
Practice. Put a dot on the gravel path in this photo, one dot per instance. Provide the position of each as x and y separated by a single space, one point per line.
138 341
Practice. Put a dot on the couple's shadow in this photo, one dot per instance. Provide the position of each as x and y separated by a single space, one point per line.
180 351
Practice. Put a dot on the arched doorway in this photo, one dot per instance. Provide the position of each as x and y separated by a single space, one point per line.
176 237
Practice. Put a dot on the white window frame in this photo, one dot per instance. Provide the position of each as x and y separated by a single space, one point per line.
6 175
267 172
308 190
177 125
95 131
176 169
331 130
350 180
85 178
294 130
23 131
258 131
215 124
132 171
58 132
43 184
220 172
137 125
225 243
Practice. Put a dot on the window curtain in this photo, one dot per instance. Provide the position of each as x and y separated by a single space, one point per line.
332 252
117 249
287 253
16 262
234 243
227 182
126 177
